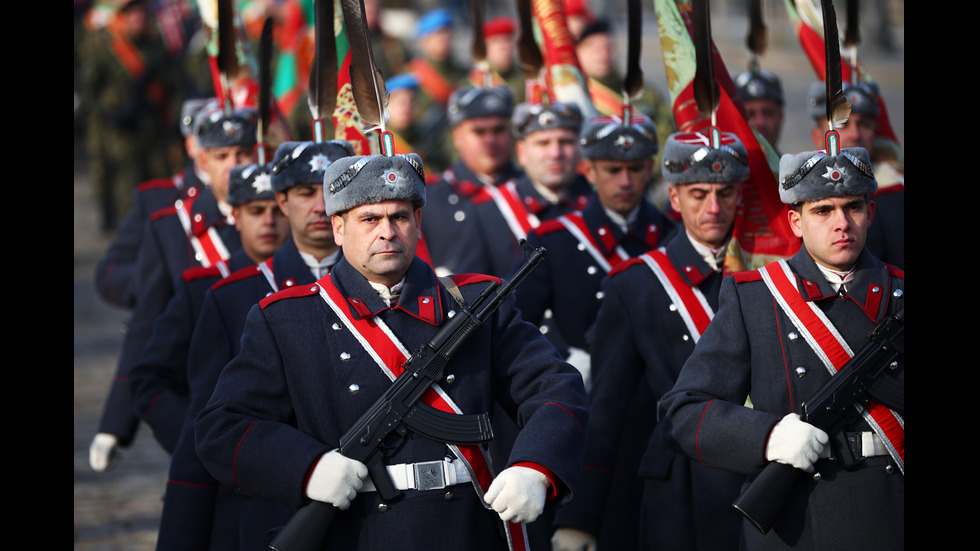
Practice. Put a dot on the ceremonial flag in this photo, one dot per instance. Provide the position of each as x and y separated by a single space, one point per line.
807 20
761 232
564 80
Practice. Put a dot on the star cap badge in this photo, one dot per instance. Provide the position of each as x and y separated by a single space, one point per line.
262 183
319 163
834 173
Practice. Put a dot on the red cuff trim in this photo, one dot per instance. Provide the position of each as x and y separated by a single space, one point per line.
553 491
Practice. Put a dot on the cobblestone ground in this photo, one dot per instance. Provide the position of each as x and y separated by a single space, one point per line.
120 509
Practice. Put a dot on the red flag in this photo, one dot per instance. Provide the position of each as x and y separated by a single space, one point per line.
762 232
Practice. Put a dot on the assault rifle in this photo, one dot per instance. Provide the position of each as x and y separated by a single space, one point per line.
855 382
382 428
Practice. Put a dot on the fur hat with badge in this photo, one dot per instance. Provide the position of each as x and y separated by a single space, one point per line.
535 117
363 179
816 175
759 84
693 157
862 97
469 102
249 182
617 139
214 127
305 162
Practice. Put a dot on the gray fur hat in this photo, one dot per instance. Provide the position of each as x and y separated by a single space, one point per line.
862 97
469 102
610 139
759 84
249 182
214 128
189 111
304 162
535 117
814 175
354 181
691 157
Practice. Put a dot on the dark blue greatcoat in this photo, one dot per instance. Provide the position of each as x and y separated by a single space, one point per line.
641 342
163 256
751 349
198 511
568 281
496 240
291 388
448 224
115 273
158 379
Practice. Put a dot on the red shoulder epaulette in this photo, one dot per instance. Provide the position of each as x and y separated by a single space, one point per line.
747 275
200 272
466 279
290 292
895 272
169 211
244 273
156 183
433 178
548 226
623 266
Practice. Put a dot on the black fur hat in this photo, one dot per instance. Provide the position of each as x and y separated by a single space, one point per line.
304 162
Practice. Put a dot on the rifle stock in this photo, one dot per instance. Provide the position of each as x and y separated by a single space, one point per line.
762 500
399 410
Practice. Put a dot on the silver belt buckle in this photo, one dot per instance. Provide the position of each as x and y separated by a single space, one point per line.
430 475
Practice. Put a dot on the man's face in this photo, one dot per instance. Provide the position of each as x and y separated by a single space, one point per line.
500 51
436 45
379 239
858 131
262 226
595 55
834 229
303 206
766 117
484 144
217 162
708 210
401 106
550 157
620 185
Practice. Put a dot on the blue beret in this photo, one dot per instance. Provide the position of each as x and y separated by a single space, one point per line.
814 175
249 182
691 157
304 162
363 179
399 82
433 21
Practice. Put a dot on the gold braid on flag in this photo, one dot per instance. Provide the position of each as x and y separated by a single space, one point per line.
322 85
838 108
367 82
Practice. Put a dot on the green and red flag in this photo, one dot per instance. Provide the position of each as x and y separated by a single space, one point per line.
563 77
807 19
761 233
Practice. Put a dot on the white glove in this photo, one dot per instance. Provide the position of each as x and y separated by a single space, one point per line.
570 539
336 479
582 361
518 494
103 452
796 443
